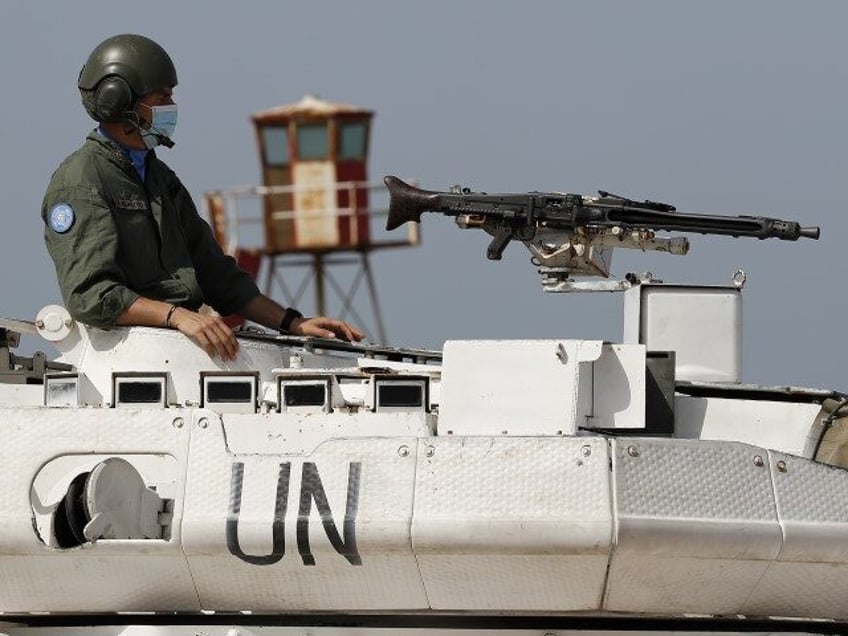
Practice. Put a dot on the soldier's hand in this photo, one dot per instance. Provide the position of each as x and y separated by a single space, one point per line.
208 331
322 327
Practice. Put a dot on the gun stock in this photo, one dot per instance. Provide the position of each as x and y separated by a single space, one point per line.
407 202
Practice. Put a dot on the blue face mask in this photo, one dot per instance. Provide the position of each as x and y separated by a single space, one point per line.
163 121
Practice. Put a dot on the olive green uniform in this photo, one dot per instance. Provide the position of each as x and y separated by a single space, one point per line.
131 239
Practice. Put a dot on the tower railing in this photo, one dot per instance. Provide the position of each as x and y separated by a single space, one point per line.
227 213
241 216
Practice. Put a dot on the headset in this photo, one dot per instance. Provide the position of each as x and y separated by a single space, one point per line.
111 99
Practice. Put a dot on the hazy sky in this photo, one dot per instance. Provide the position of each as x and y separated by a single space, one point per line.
717 107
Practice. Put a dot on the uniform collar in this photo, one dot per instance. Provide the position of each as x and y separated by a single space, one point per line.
137 158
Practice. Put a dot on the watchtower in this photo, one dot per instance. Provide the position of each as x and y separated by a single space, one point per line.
315 205
321 148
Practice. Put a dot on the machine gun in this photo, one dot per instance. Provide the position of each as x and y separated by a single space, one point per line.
575 234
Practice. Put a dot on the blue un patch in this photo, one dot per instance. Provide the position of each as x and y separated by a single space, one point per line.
61 218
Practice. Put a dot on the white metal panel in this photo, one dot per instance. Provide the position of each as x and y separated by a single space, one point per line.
632 306
672 585
810 576
696 525
812 504
782 426
301 432
107 576
515 387
618 381
388 575
702 325
22 394
513 523
801 589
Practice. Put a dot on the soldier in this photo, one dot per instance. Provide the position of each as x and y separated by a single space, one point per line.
127 241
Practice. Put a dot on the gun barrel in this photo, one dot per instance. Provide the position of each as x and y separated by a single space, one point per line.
407 202
754 226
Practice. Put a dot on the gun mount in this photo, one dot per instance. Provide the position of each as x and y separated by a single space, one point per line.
574 235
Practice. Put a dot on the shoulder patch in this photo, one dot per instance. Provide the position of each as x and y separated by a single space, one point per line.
61 218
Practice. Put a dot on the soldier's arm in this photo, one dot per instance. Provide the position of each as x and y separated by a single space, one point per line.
226 287
82 239
209 332
267 312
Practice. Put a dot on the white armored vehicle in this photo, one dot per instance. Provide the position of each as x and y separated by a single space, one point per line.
542 486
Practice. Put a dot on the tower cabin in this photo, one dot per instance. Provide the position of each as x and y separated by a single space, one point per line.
317 151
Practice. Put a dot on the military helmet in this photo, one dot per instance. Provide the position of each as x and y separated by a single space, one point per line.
119 71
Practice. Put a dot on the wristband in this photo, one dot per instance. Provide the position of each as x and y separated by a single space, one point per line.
288 318
168 317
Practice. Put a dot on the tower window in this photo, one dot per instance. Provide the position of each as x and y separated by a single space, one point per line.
352 139
275 140
313 142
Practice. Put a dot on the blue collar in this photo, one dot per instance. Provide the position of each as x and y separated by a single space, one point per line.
137 157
